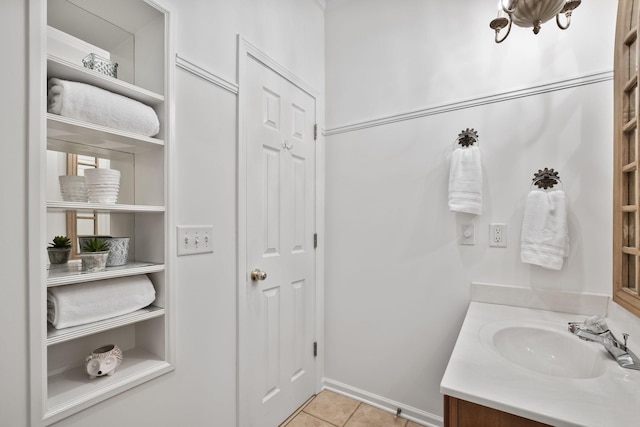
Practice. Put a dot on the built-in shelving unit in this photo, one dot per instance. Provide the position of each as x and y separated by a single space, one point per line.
62 69
101 207
136 34
75 136
56 336
71 272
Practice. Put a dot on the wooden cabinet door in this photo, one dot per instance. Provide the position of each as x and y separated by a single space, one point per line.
460 413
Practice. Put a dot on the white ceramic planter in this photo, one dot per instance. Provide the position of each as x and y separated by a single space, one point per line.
103 185
84 239
103 361
118 251
73 188
58 255
94 261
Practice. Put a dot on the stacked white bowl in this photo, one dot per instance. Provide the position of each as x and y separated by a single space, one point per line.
73 188
103 185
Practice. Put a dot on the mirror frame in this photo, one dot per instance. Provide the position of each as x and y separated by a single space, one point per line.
626 176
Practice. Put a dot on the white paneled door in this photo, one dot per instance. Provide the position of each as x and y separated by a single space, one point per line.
279 126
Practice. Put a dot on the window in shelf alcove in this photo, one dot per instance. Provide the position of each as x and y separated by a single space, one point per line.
80 223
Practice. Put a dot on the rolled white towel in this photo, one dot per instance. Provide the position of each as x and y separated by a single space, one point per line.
465 181
81 303
545 232
101 107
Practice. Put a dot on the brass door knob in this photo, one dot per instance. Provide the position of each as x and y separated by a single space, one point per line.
258 274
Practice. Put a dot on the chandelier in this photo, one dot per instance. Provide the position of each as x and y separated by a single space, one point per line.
531 13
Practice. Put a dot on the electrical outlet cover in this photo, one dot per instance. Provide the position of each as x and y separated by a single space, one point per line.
498 235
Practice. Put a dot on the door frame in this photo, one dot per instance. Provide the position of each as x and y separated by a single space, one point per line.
247 52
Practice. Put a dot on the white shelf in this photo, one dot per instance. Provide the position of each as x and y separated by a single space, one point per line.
56 205
59 385
71 272
73 390
80 137
55 336
57 67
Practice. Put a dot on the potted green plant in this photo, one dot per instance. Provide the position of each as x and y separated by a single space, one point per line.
94 254
59 250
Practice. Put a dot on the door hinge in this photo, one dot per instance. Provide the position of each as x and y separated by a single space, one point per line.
315 349
315 132
315 241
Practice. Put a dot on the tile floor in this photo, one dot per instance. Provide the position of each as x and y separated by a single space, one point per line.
329 409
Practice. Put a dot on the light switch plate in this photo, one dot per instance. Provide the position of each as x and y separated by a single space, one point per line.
468 235
194 239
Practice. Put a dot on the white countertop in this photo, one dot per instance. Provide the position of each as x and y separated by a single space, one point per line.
478 374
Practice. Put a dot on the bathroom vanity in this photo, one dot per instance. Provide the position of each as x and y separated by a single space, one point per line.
461 413
516 366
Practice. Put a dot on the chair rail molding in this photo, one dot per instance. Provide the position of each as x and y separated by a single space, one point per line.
586 79
196 70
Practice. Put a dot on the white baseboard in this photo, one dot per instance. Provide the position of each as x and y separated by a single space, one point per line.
413 414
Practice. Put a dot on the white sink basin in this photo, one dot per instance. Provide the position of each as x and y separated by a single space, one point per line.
545 349
524 361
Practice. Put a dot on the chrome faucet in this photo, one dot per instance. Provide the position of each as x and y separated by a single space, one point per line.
595 329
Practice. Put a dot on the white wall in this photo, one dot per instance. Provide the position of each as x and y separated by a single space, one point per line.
202 389
13 217
389 57
397 281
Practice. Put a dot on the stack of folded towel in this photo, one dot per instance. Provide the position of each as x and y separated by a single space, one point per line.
81 303
101 107
545 233
465 181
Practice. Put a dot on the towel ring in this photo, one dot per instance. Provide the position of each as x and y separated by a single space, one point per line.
546 178
467 137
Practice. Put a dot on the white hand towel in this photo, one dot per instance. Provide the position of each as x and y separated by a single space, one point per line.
81 303
545 233
101 107
465 181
